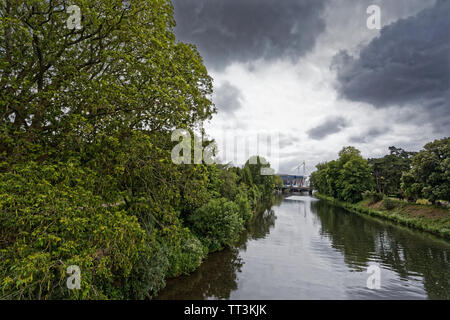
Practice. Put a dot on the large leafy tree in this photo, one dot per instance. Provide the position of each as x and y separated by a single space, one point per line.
123 69
355 178
429 176
388 170
345 178
254 173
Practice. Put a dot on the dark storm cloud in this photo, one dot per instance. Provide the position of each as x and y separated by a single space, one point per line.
329 126
227 98
408 64
244 30
369 135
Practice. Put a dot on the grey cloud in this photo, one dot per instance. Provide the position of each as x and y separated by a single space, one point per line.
369 135
243 31
328 127
287 140
227 98
407 65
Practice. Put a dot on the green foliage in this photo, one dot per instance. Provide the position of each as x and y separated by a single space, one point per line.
373 196
51 219
278 181
388 170
423 202
86 176
429 177
217 223
148 274
257 172
346 178
185 256
388 203
244 206
253 194
123 69
355 178
229 187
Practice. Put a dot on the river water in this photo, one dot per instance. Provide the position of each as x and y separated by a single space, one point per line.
304 248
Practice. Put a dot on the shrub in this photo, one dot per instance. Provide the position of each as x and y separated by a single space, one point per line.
148 275
423 202
254 196
388 203
243 204
185 256
50 219
373 196
217 223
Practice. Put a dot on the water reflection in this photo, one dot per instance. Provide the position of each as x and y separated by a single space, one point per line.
217 276
410 254
308 249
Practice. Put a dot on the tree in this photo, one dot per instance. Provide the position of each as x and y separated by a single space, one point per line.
253 174
122 70
345 178
355 178
318 179
388 170
429 176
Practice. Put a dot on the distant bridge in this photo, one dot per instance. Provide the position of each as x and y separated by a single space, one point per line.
294 183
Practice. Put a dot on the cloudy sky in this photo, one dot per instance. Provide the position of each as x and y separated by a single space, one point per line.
312 74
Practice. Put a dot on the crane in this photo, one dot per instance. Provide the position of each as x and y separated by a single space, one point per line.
303 164
299 166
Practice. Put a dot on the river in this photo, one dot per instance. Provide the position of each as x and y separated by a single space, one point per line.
304 248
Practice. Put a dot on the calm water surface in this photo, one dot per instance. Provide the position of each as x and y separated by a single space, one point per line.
309 249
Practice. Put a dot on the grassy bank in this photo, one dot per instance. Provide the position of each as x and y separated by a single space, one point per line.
421 217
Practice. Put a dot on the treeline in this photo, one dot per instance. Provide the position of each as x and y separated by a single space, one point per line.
401 174
86 175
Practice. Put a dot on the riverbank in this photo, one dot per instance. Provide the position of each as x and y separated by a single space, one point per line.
308 249
421 217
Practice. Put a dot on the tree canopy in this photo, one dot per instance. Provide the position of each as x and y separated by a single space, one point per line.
388 170
429 177
345 178
122 70
414 175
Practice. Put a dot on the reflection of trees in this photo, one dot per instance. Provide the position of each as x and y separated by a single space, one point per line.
216 278
262 224
348 232
404 250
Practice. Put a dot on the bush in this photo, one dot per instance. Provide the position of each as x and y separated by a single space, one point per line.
243 204
388 203
373 196
149 272
50 219
423 202
254 196
185 256
217 223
